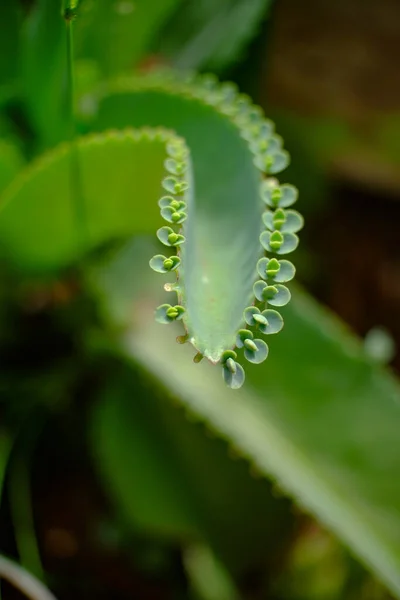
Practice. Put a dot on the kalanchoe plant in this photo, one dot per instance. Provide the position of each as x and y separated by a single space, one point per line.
215 274
225 221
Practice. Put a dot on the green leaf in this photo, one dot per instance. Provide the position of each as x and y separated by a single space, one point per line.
211 34
216 275
117 33
11 161
9 40
119 173
165 476
318 417
44 71
216 198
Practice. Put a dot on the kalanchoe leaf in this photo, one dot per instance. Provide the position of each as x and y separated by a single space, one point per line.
233 380
258 289
242 335
168 237
274 322
174 185
173 216
166 313
256 351
163 264
165 201
286 272
286 221
278 242
280 271
280 298
277 196
157 263
253 316
277 295
272 162
268 267
175 167
266 145
177 149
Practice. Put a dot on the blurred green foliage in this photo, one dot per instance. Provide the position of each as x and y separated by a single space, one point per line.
184 462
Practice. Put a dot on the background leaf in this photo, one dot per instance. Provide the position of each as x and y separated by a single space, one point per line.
9 39
169 478
204 34
116 34
11 162
44 71
119 174
317 416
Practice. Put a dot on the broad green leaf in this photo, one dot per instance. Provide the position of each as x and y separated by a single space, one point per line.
120 174
209 34
117 33
9 38
11 162
44 71
166 476
224 209
317 416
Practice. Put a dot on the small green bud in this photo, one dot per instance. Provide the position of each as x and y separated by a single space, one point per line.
276 240
172 238
168 264
273 267
172 313
276 195
250 345
260 319
269 292
279 218
231 365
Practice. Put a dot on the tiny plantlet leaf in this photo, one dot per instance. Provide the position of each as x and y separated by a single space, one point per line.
235 379
286 221
255 351
277 196
242 336
168 237
279 243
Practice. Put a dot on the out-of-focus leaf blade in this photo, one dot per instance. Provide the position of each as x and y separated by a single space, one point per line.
44 71
317 416
9 39
119 174
117 33
167 476
204 34
11 162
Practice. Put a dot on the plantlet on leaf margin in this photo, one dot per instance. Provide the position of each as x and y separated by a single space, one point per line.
281 222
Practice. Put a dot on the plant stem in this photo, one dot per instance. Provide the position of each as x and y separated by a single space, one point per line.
78 200
23 580
21 507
